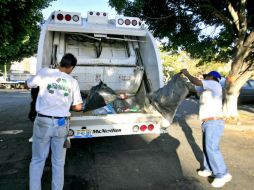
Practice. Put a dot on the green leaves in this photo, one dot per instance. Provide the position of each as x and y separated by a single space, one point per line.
183 22
19 26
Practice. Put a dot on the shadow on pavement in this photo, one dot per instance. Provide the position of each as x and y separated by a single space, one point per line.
125 163
191 140
119 163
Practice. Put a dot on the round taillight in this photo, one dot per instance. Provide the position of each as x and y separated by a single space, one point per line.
127 22
98 13
150 127
75 18
135 128
143 128
139 23
59 16
120 21
134 22
104 14
67 17
91 13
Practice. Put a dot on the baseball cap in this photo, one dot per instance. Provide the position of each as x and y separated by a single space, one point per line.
215 74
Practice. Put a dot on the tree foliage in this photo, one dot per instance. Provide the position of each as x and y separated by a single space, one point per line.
19 26
183 22
173 63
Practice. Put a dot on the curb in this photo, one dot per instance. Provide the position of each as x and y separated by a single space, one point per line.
238 126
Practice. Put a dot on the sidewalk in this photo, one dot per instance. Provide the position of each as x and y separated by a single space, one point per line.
244 123
190 107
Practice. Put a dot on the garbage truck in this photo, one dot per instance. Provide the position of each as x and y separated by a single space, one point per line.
119 52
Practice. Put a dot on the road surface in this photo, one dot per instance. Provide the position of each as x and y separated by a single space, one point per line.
122 163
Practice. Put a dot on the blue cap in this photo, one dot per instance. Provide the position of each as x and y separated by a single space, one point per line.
215 74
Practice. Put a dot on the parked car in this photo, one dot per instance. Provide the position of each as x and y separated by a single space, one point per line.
246 92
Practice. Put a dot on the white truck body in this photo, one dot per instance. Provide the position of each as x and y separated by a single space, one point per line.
118 52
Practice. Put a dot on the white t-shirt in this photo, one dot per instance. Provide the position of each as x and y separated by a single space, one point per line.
58 91
210 103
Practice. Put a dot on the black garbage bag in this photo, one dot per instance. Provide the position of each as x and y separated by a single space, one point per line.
168 98
99 96
32 113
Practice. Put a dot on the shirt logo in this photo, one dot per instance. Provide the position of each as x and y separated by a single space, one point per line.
59 85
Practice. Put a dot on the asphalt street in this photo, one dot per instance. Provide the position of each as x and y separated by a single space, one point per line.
143 162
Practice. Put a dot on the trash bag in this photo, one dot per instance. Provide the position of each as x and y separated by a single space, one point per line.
99 96
120 105
32 113
108 109
168 98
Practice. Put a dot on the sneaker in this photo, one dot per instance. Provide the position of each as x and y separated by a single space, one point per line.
204 173
219 182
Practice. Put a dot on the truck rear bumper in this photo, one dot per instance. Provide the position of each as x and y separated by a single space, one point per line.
114 125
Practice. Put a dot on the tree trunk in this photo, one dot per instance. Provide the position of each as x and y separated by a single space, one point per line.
234 82
230 106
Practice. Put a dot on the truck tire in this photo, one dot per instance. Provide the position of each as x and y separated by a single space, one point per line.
7 86
22 86
17 86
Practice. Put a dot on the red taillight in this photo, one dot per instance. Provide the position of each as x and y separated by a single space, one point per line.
150 127
134 22
67 17
59 17
143 128
127 22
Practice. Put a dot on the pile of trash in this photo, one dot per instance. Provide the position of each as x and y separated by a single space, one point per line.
99 96
103 100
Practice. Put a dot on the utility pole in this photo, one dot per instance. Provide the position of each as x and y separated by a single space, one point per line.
5 72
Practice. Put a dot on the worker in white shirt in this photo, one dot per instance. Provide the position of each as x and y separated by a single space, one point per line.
210 113
58 93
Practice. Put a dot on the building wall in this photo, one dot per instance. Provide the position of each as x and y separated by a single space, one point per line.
27 65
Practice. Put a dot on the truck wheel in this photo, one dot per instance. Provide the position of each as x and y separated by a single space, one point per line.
22 86
7 86
17 86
